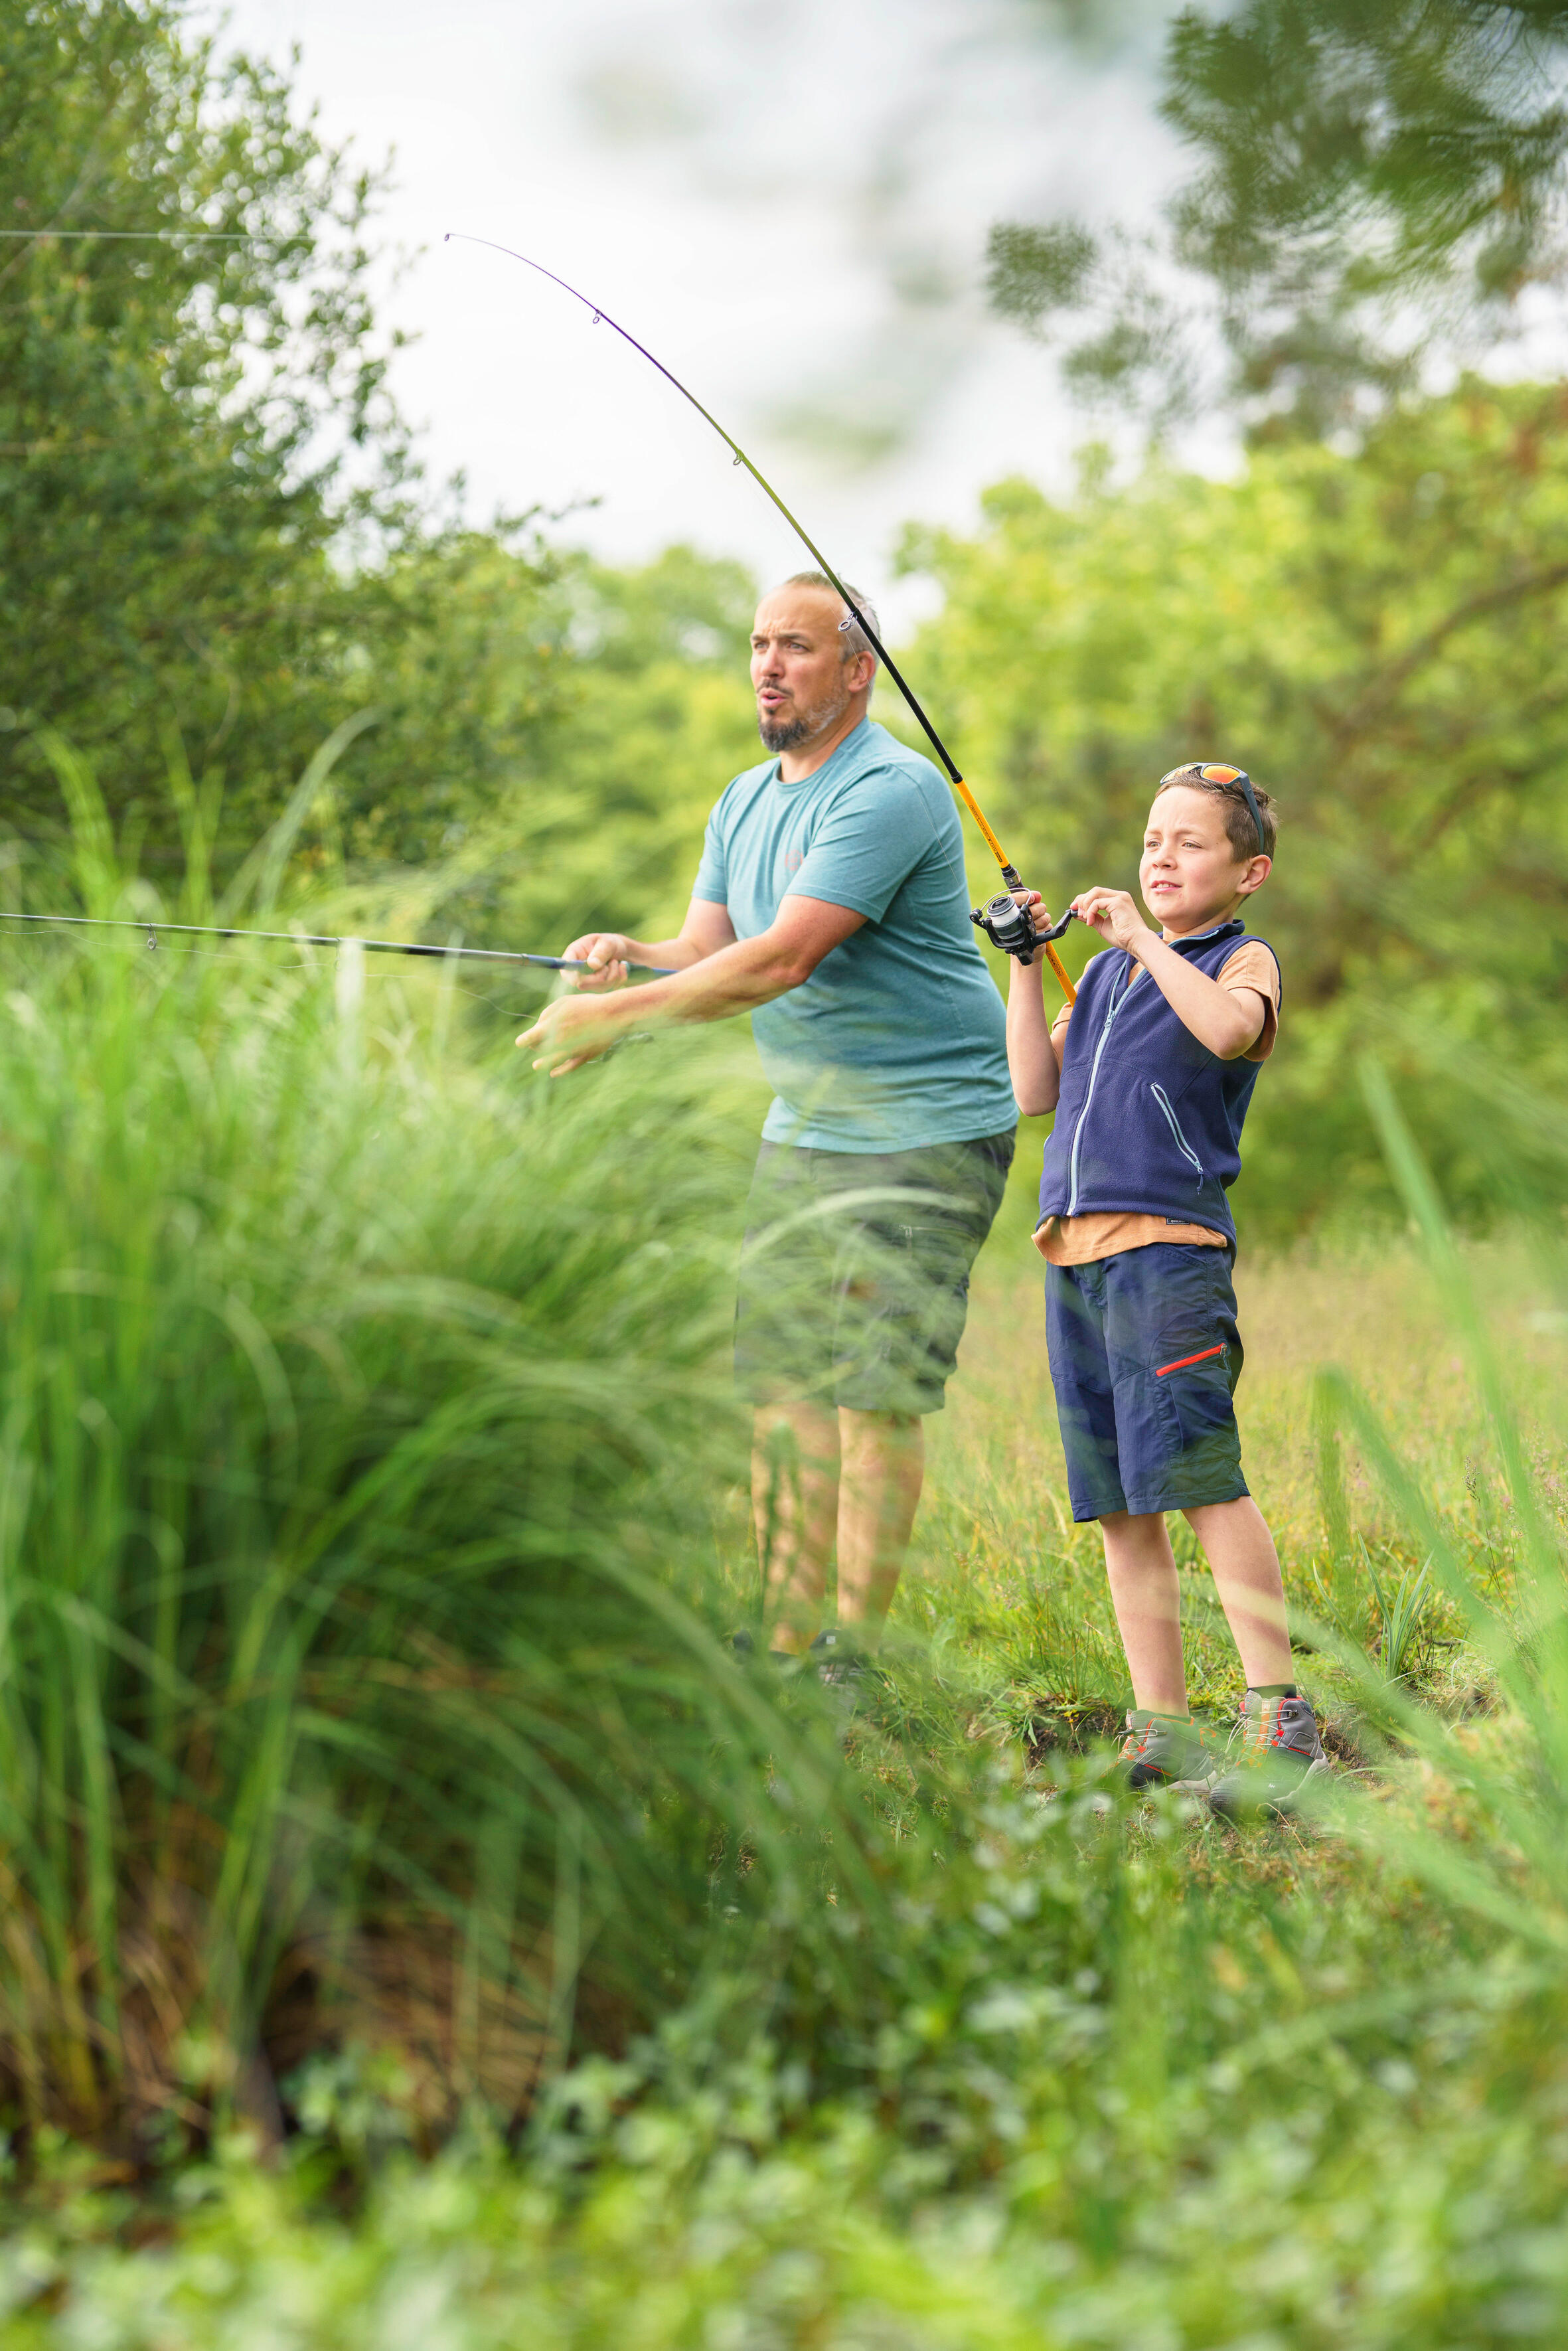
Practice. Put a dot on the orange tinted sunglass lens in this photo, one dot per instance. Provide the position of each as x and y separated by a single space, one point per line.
1219 775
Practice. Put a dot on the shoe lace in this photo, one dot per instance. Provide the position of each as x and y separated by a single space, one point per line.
1265 1731
1261 1731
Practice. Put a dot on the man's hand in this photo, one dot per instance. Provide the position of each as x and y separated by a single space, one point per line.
1113 914
570 1034
607 951
724 975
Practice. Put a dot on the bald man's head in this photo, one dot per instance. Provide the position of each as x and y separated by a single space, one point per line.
808 676
853 638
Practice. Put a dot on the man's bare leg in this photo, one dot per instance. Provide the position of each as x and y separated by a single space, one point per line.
1245 1571
883 1463
1142 1571
795 1505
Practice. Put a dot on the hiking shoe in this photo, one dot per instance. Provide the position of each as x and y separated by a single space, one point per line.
1280 1752
843 1670
1161 1750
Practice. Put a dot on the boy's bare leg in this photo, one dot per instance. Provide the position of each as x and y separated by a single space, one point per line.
1246 1570
1142 1571
883 1457
795 1506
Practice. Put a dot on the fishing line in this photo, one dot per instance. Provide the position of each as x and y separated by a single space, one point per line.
1004 922
152 930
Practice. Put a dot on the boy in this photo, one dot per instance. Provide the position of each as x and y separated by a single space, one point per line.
1150 1075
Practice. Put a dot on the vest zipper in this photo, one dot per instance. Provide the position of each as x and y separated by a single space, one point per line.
1186 1148
1116 1004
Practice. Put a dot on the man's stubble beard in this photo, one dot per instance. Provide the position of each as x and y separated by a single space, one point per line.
784 735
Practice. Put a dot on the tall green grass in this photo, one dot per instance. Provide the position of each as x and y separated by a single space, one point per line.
368 1460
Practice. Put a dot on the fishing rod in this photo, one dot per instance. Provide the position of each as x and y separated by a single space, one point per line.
1003 920
322 939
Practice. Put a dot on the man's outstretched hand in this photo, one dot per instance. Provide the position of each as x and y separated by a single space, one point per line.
568 1034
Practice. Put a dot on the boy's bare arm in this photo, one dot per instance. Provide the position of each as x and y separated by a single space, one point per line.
1229 1020
1032 1060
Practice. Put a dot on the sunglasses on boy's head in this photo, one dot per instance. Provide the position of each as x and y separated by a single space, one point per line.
1213 773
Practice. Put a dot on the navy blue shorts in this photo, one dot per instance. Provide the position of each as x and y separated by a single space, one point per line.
1145 1358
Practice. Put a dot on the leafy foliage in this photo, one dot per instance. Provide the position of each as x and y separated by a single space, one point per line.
1377 638
593 811
185 426
1372 187
211 549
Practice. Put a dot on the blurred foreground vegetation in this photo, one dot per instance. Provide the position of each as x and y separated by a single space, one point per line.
1372 200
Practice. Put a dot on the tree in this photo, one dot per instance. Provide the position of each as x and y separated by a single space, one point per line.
213 552
1376 186
1379 639
187 426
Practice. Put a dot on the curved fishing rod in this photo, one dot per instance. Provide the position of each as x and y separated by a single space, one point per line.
1001 919
319 940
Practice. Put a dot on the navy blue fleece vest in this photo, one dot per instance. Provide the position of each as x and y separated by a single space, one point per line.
1149 1119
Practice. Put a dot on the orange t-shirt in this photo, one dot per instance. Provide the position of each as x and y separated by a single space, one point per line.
1079 1240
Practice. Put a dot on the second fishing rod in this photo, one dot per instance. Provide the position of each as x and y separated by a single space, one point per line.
1005 923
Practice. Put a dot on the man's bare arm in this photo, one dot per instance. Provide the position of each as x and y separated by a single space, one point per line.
733 979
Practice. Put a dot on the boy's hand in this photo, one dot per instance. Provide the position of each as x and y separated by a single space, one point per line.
1033 906
1113 914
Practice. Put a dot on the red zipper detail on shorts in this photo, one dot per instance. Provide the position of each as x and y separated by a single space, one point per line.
1182 1362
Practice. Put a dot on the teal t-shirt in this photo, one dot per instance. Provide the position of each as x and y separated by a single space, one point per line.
898 1039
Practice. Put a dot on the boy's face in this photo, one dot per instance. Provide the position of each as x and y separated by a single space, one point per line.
1189 876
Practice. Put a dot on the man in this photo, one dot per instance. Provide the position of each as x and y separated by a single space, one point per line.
830 904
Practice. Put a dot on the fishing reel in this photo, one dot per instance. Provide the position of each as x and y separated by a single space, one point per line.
1008 925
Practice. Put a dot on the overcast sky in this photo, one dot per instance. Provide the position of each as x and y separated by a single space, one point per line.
789 206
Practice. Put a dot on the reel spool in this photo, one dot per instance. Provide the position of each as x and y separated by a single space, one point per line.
1007 925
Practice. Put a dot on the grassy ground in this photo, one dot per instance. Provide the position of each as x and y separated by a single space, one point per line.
1001 1574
